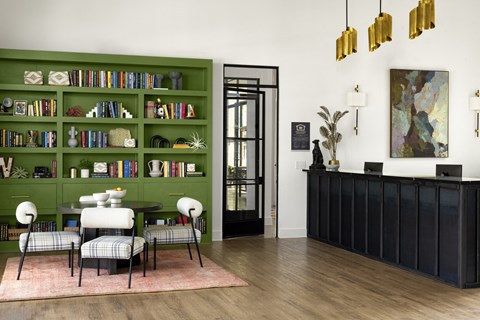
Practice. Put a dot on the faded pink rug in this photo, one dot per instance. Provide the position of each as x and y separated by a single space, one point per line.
46 277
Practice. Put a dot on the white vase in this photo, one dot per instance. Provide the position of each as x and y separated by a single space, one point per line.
84 173
72 141
156 168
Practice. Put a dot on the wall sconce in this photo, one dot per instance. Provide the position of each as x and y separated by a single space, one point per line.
475 106
357 100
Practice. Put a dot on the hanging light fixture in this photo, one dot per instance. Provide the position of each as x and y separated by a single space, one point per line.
380 31
422 18
347 42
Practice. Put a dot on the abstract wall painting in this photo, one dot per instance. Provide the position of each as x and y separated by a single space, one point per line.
418 114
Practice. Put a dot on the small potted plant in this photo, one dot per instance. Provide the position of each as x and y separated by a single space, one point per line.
85 167
330 133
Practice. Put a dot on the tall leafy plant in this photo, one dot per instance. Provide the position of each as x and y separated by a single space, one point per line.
329 130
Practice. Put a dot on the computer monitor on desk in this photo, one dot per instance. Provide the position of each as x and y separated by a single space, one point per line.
448 170
373 167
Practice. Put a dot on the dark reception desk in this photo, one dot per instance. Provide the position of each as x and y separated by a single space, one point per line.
429 225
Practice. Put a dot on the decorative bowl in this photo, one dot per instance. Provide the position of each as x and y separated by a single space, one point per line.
116 195
101 198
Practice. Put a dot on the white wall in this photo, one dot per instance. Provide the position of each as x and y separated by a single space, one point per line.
299 37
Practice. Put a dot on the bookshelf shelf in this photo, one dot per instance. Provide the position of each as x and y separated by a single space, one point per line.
197 90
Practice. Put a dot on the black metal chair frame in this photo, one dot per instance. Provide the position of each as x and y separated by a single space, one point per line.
188 244
30 228
131 258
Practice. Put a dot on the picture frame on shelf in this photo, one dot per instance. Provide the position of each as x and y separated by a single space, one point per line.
20 107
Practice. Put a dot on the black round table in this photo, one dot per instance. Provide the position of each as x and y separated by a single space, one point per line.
136 206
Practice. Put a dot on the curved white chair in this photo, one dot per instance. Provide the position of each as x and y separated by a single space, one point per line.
179 234
26 213
114 247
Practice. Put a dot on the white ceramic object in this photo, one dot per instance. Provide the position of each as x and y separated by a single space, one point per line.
116 195
156 168
84 173
101 198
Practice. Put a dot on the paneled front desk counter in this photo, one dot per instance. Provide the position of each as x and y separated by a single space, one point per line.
429 225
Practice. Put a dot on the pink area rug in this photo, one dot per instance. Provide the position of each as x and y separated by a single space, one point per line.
46 277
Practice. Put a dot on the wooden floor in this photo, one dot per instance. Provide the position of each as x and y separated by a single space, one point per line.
288 279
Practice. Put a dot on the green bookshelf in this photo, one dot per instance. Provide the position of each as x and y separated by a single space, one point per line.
46 193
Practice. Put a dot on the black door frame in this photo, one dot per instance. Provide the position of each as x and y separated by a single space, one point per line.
255 88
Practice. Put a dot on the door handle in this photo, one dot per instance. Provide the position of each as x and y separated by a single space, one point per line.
176 194
19 197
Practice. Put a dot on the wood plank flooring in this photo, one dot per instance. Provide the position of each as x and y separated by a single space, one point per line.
288 279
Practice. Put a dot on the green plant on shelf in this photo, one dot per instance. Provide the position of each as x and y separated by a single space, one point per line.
86 164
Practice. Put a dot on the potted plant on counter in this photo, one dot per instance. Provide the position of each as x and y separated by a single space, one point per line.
331 135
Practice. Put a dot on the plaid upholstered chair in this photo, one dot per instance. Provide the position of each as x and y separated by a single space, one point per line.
113 247
30 241
179 234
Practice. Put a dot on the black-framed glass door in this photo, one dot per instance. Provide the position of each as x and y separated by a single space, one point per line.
243 212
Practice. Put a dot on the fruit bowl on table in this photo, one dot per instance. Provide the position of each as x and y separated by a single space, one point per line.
116 196
101 198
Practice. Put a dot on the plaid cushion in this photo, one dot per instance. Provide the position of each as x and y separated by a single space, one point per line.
171 234
112 247
49 241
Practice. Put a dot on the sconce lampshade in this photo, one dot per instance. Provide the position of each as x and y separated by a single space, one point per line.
475 106
475 103
356 99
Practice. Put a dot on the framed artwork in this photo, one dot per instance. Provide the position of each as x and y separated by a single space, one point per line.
20 107
418 114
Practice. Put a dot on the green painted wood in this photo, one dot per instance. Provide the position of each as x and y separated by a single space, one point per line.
197 89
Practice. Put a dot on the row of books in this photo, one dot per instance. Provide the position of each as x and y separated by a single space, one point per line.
109 109
122 169
48 139
42 108
173 168
3 232
41 226
199 223
11 139
93 139
172 110
114 79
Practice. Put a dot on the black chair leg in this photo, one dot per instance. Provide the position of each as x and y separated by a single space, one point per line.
98 267
189 251
145 255
154 253
130 273
80 273
146 247
21 263
70 259
198 251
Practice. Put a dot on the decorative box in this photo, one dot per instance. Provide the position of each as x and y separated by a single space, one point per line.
129 143
33 77
58 78
100 167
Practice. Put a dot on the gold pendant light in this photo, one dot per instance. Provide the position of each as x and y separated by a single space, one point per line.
347 42
422 18
380 31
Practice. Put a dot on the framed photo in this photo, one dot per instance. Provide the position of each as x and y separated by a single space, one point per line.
20 107
418 114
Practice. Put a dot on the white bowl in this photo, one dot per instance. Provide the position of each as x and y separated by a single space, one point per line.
116 195
101 198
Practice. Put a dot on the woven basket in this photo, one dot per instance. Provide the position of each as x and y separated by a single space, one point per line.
14 234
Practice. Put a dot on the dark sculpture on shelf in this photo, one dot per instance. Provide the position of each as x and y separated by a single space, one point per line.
159 142
176 77
317 157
